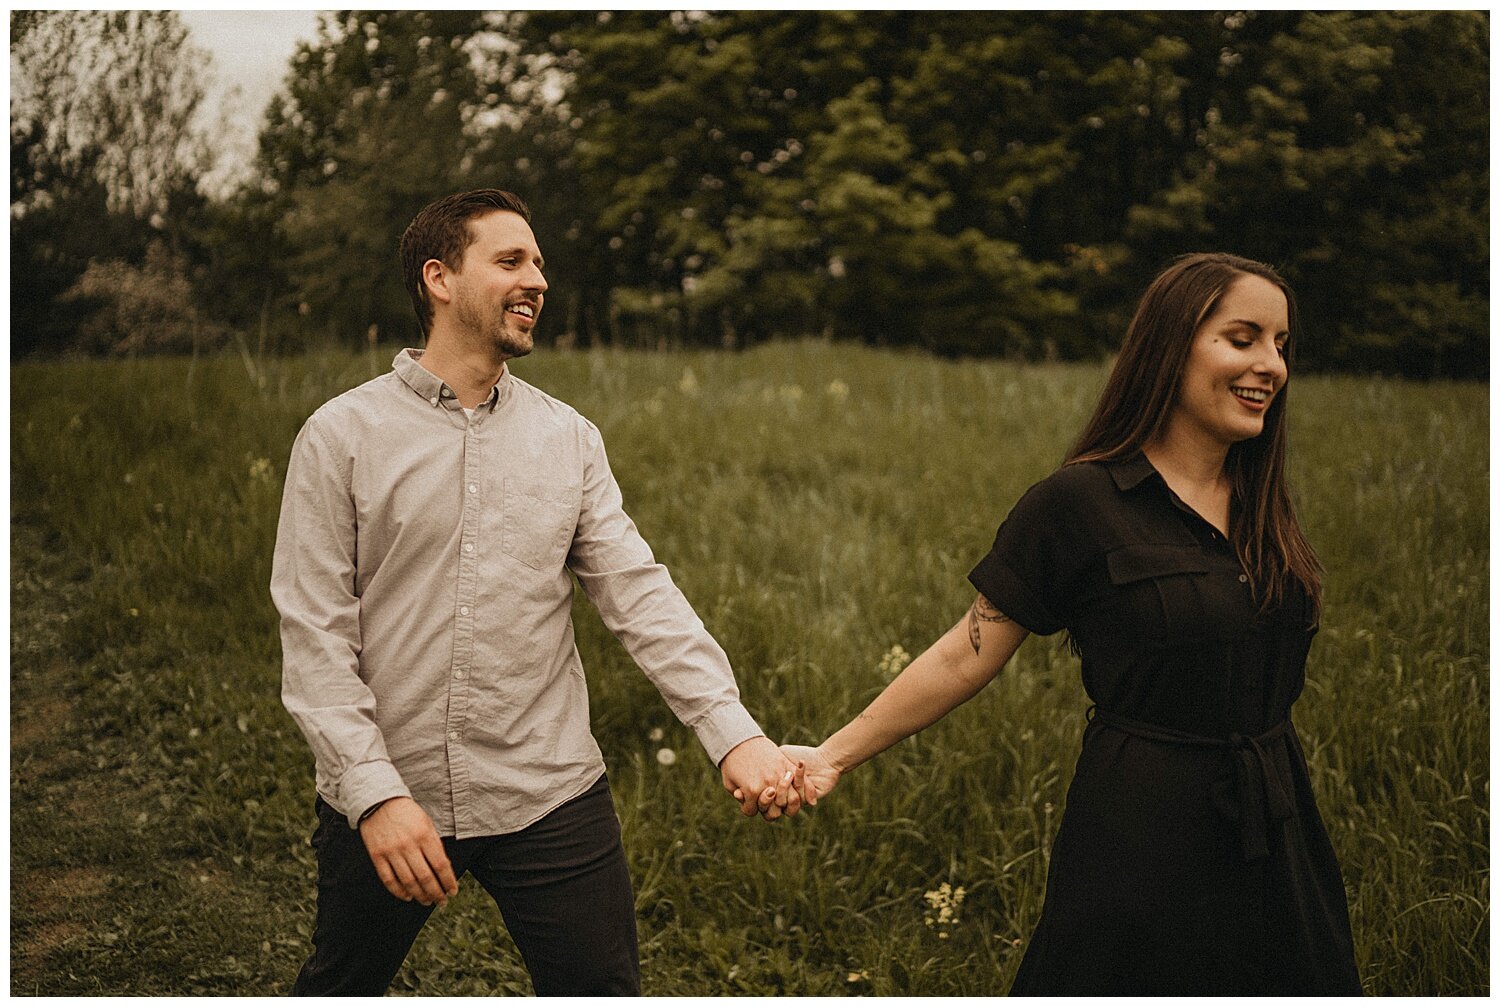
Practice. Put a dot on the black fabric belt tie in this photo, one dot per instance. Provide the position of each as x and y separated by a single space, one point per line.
1248 789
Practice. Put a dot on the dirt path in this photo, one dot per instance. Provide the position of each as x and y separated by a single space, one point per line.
100 903
58 894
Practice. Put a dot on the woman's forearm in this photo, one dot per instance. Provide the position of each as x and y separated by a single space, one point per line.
945 676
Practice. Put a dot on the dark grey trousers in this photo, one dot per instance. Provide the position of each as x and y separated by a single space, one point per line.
561 885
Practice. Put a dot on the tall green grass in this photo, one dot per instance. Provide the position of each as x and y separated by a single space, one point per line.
820 505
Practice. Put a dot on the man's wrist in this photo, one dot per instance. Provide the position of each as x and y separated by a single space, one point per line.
740 744
724 729
371 810
365 786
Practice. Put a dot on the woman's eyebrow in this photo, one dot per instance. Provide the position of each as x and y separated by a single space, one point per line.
1257 328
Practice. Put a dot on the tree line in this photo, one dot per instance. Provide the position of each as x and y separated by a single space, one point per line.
987 183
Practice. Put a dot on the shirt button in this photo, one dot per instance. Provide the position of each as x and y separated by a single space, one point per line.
447 393
468 547
459 674
473 487
1244 579
452 735
463 610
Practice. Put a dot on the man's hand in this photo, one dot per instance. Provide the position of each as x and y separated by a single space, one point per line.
408 853
761 779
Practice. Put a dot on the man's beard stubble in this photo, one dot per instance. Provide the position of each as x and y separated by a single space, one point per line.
491 331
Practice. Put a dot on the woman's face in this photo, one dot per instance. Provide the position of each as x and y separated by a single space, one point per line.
1235 367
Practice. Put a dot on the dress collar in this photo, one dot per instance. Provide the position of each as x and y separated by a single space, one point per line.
1130 471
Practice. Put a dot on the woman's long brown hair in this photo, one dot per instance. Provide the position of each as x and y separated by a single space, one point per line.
1142 389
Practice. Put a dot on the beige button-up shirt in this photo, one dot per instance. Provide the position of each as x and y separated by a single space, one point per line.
422 575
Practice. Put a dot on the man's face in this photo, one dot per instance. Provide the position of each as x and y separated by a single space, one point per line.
497 290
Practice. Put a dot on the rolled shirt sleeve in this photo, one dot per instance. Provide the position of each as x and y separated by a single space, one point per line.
646 611
1036 555
313 587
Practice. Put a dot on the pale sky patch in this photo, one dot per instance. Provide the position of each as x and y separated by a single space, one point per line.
251 52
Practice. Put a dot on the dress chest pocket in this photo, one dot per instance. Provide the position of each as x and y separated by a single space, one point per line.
538 524
1158 591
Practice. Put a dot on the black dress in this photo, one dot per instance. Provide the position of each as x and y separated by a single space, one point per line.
1190 858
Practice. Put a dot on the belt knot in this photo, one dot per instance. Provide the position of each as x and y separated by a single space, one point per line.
1248 789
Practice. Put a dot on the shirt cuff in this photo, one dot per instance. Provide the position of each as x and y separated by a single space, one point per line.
724 727
365 786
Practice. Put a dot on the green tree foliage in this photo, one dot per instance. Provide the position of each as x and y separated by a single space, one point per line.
105 156
1006 182
1352 149
966 182
372 129
109 95
749 180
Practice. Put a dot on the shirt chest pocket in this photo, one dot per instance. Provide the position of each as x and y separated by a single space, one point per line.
538 524
1158 592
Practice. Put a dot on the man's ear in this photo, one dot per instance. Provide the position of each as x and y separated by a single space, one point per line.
435 276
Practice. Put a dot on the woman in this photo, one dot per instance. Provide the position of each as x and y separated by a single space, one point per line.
1191 858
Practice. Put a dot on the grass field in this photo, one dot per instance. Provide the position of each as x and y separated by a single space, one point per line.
820 506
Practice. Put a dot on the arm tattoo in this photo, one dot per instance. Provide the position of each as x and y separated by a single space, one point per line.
982 611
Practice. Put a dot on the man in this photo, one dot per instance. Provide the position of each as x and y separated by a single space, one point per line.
429 523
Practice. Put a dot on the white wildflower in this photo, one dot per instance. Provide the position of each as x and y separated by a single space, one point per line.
894 660
943 905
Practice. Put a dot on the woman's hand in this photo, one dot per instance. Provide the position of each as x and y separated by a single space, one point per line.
814 776
817 771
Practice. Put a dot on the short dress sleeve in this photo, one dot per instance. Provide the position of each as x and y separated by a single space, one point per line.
1038 552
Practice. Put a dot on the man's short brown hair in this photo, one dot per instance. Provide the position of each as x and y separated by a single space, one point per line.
441 231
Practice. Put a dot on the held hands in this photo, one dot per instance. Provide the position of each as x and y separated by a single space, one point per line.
762 780
408 853
817 776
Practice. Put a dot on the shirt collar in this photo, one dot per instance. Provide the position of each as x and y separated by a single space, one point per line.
432 388
1130 471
